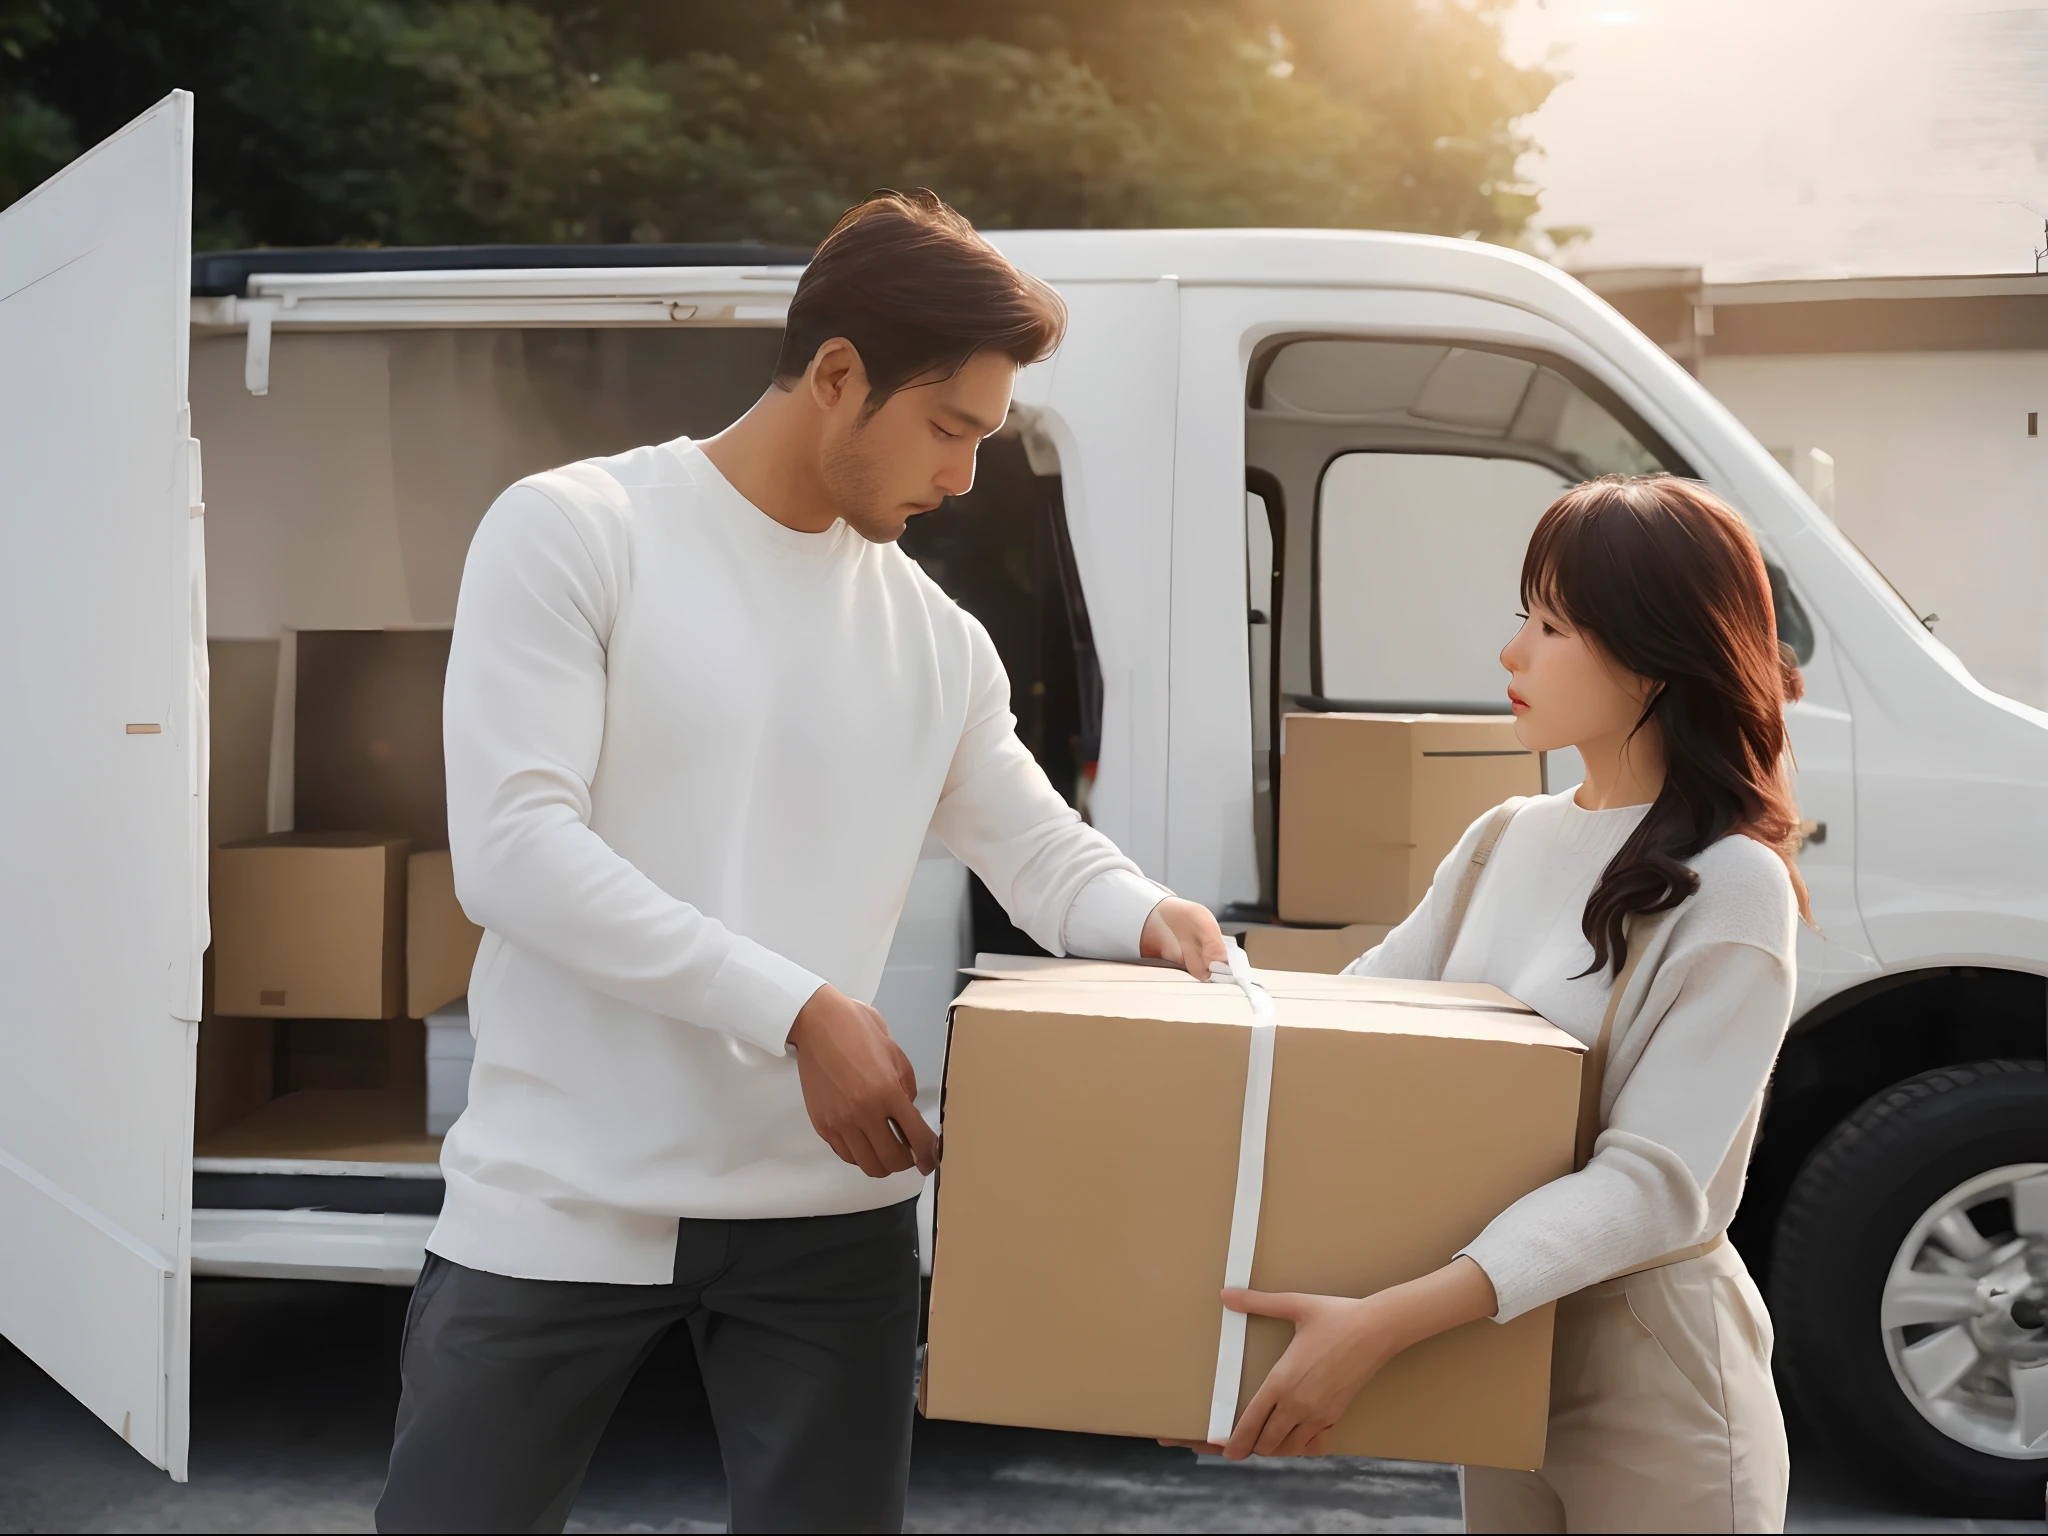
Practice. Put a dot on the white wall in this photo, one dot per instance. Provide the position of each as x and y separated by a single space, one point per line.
1935 479
1791 138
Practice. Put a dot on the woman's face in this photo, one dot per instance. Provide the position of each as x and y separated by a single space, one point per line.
1566 691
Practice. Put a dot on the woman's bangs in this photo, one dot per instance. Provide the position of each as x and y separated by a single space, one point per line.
1541 582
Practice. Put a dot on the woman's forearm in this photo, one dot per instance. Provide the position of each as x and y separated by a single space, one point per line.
1443 1299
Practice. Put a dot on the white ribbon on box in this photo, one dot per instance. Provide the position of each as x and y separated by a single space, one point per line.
1251 1185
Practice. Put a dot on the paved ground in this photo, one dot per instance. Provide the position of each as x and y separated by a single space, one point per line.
292 1412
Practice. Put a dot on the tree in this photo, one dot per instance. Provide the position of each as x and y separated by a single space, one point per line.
420 121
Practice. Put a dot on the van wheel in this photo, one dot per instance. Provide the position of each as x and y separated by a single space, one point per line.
1910 1287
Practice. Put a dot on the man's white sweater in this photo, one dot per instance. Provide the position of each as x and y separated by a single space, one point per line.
692 756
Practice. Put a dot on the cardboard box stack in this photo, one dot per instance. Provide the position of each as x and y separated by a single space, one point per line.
366 732
1370 804
1084 1215
335 732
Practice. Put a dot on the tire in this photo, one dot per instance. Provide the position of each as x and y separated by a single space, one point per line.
1956 1142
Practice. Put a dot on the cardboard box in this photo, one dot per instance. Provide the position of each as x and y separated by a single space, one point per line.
440 940
1324 951
310 925
1370 804
241 694
1092 1119
366 732
329 1053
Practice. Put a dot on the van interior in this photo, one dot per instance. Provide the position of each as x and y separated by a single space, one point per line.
1391 488
339 510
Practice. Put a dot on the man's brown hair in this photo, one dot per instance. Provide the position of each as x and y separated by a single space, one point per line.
918 292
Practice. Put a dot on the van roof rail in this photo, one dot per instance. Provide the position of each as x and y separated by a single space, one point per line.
220 274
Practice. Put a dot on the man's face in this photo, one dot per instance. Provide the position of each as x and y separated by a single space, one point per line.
882 470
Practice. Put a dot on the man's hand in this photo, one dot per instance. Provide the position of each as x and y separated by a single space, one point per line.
859 1088
1183 933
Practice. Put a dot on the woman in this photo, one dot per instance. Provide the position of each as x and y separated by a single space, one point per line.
1659 899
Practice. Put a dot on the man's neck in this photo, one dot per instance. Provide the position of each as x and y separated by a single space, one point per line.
770 457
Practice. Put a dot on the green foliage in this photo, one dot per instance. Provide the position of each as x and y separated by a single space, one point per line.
422 121
35 138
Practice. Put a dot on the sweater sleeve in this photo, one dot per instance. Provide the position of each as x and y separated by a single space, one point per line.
1717 1015
1060 880
523 723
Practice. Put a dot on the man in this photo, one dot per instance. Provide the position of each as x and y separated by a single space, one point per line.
701 712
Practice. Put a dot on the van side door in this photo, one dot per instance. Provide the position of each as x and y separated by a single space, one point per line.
1398 445
103 784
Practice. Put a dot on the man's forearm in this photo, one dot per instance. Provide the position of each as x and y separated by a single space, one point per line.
1107 918
554 887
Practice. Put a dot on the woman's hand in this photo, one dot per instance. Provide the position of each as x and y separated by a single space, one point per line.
1339 1345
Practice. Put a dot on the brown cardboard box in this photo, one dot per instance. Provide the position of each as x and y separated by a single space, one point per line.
310 925
1370 804
440 940
1325 951
367 732
1092 1115
241 692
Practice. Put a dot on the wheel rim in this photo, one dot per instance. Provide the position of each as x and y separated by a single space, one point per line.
1974 1370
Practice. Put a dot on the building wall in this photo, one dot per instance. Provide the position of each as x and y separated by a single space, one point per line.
1936 481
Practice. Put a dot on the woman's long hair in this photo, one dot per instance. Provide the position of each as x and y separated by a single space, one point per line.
1663 576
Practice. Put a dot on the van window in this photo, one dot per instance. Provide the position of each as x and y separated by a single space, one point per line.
1430 465
1795 629
1420 559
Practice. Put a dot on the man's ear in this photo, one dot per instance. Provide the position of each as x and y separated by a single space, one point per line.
836 375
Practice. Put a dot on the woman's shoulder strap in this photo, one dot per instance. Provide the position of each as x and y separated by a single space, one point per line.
1468 878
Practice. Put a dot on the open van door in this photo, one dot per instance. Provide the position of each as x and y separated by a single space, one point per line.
102 779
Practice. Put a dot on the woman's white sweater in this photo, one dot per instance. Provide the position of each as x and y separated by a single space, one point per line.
1668 1169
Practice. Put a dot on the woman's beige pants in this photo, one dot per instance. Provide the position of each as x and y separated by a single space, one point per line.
1662 1412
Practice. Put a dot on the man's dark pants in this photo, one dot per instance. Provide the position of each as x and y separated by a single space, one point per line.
806 1331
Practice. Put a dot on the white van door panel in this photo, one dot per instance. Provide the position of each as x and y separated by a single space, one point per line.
1953 786
1835 951
934 939
1108 407
102 901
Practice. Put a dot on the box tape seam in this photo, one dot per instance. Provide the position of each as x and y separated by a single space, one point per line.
1251 1185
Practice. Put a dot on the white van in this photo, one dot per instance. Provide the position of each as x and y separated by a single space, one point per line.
1268 471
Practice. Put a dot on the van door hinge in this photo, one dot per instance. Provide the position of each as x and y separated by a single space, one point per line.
195 486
